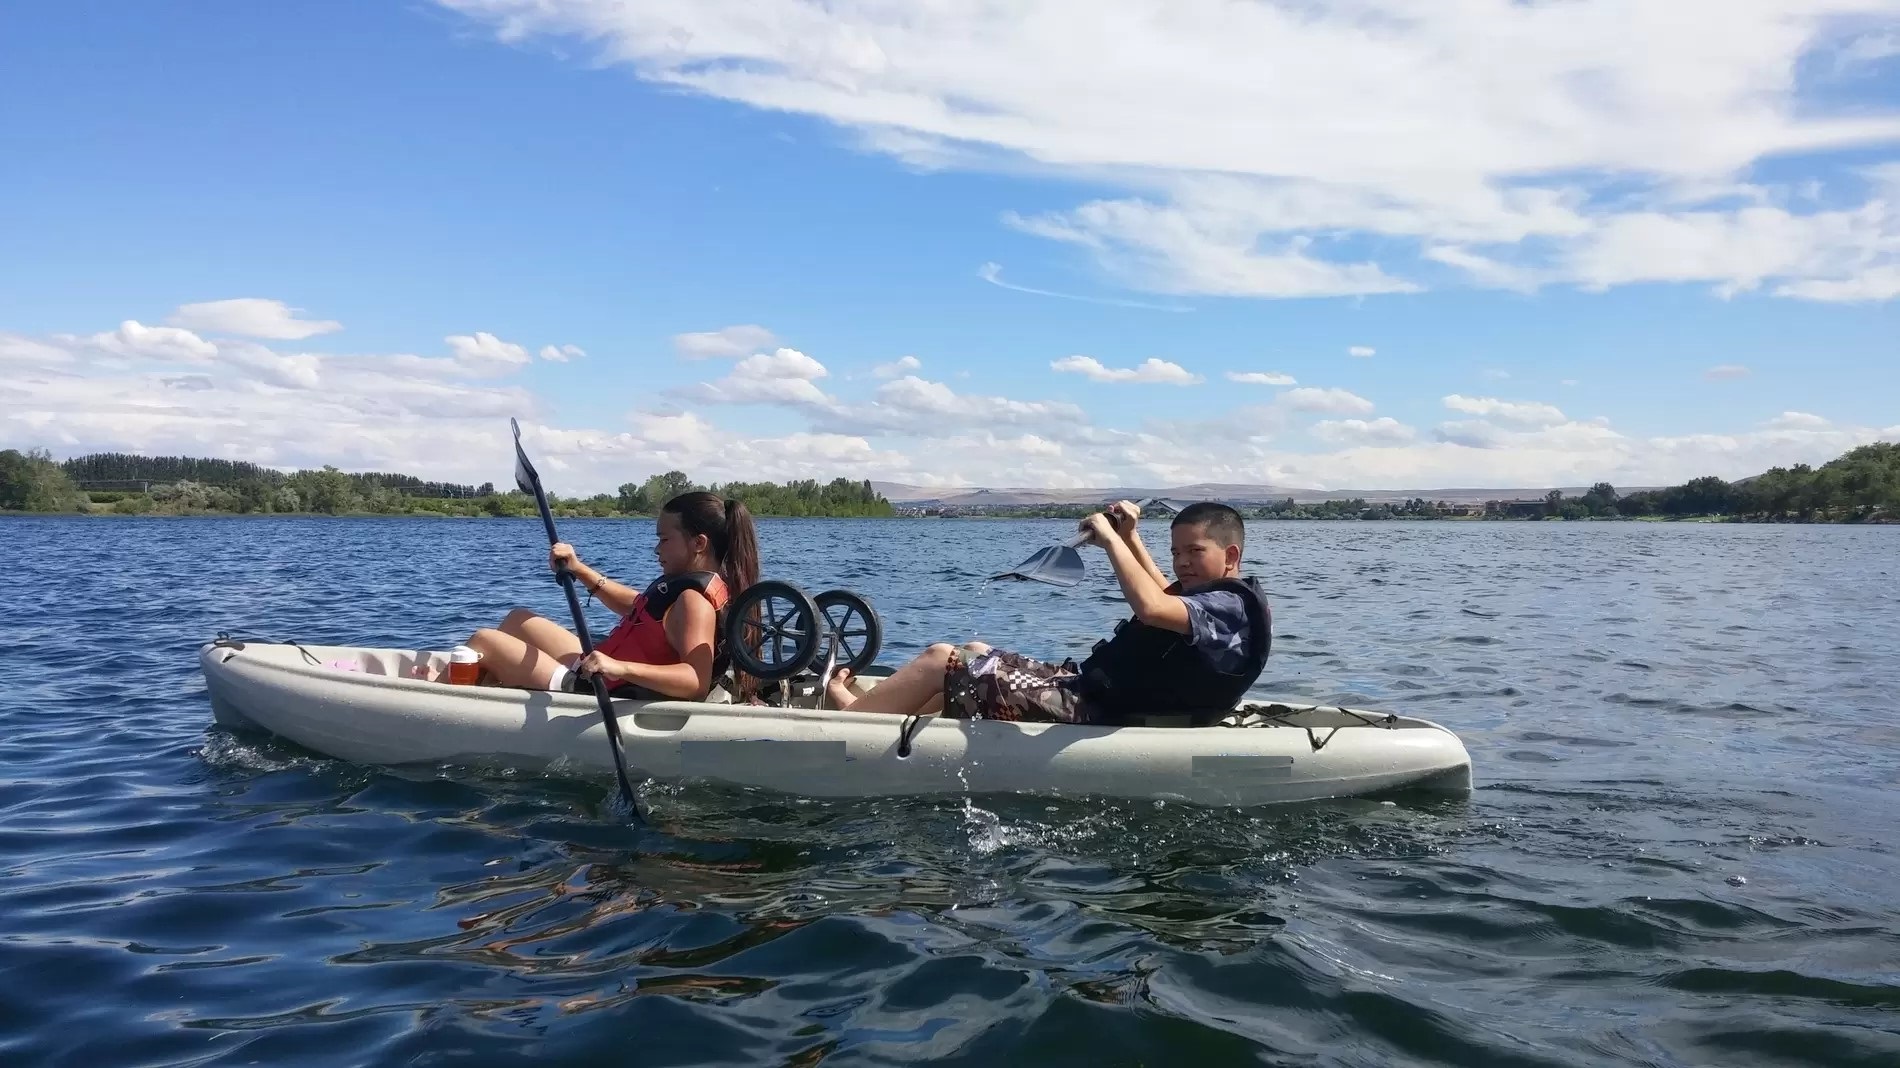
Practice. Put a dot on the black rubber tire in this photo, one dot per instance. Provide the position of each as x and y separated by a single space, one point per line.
838 606
792 630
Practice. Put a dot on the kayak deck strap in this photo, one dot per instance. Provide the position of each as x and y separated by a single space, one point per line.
225 641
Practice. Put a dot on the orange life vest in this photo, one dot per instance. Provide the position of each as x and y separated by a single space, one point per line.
640 638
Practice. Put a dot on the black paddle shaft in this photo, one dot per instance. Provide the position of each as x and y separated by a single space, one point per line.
530 482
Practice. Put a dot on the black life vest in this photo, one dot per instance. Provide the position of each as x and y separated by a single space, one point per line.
1144 670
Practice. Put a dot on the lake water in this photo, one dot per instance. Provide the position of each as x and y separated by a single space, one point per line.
1680 849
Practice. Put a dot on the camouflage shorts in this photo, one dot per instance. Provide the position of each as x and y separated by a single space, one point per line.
1000 685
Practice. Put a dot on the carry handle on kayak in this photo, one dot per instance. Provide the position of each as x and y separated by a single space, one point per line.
530 482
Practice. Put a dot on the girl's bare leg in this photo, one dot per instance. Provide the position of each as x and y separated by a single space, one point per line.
509 661
525 649
542 633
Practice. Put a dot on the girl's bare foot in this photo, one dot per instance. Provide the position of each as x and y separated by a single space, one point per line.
838 691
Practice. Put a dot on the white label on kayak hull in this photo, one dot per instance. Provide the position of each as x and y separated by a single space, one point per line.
1243 768
753 757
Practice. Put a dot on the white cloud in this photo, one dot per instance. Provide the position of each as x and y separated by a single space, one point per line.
1150 370
1332 401
1261 378
484 353
1202 250
1568 382
727 342
163 394
251 317
1725 372
782 377
292 371
918 406
1484 270
562 353
1797 421
1361 351
903 365
1534 412
1384 430
1872 284
1494 374
134 338
1259 149
17 350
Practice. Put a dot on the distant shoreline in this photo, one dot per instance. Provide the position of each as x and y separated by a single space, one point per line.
108 513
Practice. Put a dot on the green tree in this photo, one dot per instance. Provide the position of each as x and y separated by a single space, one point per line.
328 491
662 488
1600 500
32 482
633 500
1707 495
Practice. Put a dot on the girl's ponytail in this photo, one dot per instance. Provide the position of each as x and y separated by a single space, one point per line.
741 556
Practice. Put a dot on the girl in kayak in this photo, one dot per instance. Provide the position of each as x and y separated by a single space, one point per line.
666 644
1193 647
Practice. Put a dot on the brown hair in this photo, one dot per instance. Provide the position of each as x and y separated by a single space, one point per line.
729 532
733 539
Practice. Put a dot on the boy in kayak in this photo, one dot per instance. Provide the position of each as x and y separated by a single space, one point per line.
1194 646
666 644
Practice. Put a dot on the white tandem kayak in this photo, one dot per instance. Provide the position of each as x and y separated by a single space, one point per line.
367 706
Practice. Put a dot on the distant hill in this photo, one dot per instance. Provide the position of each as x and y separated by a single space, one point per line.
904 495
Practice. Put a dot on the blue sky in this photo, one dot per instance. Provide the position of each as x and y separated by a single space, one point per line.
1578 243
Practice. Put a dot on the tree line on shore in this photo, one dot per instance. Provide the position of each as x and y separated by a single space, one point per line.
1862 485
127 484
1859 486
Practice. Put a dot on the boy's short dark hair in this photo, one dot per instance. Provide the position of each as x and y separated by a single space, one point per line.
1222 523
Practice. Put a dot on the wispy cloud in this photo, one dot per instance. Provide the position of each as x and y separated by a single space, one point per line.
993 274
251 317
1361 351
1261 378
1574 160
728 342
1726 372
1535 412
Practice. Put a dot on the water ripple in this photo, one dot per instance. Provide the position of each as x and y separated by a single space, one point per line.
1677 853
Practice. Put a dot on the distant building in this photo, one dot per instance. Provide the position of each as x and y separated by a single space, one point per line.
1516 509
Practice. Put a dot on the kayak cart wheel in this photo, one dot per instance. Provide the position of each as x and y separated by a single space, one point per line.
773 630
859 632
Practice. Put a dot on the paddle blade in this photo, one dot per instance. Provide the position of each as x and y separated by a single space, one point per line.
525 476
1057 565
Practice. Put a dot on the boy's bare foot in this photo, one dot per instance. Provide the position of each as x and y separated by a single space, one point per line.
838 692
